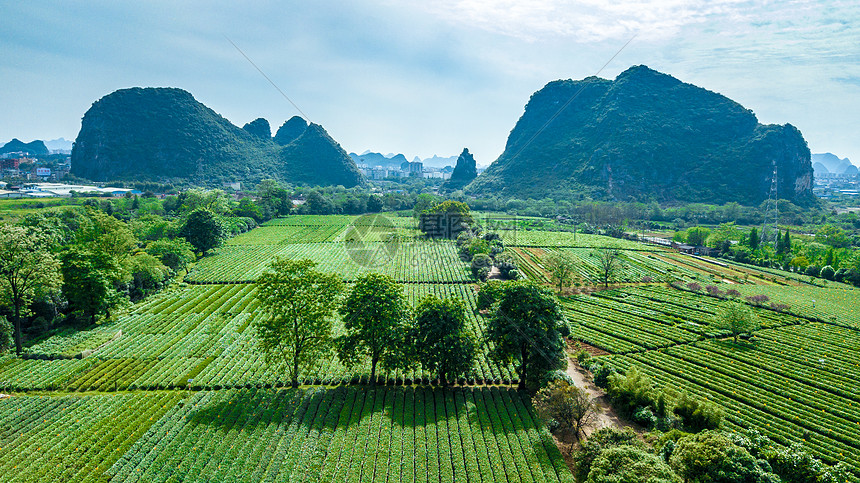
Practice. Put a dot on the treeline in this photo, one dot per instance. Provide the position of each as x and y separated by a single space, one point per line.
830 253
78 264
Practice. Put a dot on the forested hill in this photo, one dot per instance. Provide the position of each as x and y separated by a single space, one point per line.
165 134
646 136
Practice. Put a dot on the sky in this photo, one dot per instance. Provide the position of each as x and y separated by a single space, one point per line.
425 77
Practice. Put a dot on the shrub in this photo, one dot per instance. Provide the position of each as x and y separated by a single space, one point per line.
696 414
630 390
760 299
779 307
599 441
733 293
481 264
828 273
713 290
813 271
695 287
647 279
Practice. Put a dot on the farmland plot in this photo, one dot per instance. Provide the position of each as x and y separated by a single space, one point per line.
410 261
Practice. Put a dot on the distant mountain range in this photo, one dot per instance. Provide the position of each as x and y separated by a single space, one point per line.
164 134
35 148
392 160
825 163
646 136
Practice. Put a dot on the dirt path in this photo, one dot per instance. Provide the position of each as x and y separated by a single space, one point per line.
606 417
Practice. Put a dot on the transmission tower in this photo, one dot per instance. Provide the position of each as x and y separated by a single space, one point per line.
772 199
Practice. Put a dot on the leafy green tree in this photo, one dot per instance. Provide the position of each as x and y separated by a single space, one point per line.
526 330
833 236
489 293
697 236
786 242
598 442
148 274
754 239
442 341
176 254
711 457
827 272
204 229
88 281
374 314
248 208
608 265
569 406
299 302
27 269
561 268
735 318
631 390
630 464
374 203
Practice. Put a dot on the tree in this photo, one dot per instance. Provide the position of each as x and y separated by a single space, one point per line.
600 441
442 342
569 406
630 464
754 239
735 318
298 302
175 254
696 235
786 242
204 229
526 330
561 268
374 317
88 281
27 269
374 203
608 265
711 457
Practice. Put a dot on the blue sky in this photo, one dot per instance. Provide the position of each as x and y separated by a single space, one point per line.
425 78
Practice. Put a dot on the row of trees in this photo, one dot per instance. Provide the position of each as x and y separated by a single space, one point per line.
525 325
562 267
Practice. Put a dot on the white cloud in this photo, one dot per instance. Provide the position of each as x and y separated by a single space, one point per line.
584 20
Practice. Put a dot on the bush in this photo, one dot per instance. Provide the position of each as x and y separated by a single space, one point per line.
697 415
695 287
601 372
645 416
813 271
514 274
733 293
630 463
828 273
481 264
599 441
713 290
630 391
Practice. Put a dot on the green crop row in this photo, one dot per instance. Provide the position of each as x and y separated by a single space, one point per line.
409 261
346 434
